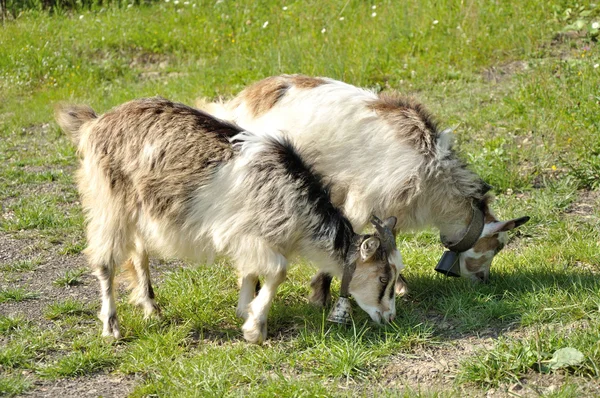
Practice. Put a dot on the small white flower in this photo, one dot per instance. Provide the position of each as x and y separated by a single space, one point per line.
265 24
435 22
186 3
166 1
285 8
341 18
374 14
194 5
81 17
323 30
596 66
129 5
596 25
373 7
176 2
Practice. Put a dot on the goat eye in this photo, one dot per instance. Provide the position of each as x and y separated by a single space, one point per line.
384 280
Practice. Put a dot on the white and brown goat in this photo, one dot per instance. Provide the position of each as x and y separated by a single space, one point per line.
161 177
382 154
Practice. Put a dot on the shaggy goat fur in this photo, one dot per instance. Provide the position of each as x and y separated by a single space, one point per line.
382 154
161 177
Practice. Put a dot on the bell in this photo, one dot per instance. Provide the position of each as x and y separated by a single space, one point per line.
341 311
449 264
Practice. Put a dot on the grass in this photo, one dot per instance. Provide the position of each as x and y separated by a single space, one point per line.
22 265
72 277
67 308
13 385
16 295
515 78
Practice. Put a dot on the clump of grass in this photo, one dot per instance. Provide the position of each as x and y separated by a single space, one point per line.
16 295
37 212
12 385
72 277
10 324
94 357
73 247
15 354
67 308
22 265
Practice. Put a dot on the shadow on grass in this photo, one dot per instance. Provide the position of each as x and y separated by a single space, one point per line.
457 308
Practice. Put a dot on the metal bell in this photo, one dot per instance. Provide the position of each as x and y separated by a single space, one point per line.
341 311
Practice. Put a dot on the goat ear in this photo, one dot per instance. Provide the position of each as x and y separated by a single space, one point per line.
369 247
390 222
503 226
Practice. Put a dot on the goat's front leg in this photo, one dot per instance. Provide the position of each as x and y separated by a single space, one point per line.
255 327
321 289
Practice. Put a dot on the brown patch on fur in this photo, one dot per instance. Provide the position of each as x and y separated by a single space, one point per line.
263 95
182 143
487 214
303 81
490 243
474 264
412 121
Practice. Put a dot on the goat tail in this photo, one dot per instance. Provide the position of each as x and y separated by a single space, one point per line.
71 118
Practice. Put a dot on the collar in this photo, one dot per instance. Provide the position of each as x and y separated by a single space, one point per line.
346 279
472 235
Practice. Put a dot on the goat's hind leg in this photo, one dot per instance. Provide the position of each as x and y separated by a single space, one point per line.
138 273
321 289
108 313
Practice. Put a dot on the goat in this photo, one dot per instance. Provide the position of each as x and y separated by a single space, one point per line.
160 177
383 154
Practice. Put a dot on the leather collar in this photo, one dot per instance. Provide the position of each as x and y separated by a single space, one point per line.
472 235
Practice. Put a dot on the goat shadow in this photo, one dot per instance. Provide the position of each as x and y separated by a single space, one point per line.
457 308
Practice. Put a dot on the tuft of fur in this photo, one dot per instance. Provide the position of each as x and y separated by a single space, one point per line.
71 119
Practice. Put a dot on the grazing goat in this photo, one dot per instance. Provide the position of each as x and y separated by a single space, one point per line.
161 177
382 154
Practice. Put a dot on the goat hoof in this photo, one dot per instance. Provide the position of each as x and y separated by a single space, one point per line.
151 309
111 327
255 331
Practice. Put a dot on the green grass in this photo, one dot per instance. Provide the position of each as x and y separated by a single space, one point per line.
522 90
72 277
16 295
91 357
22 265
11 324
13 385
67 308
